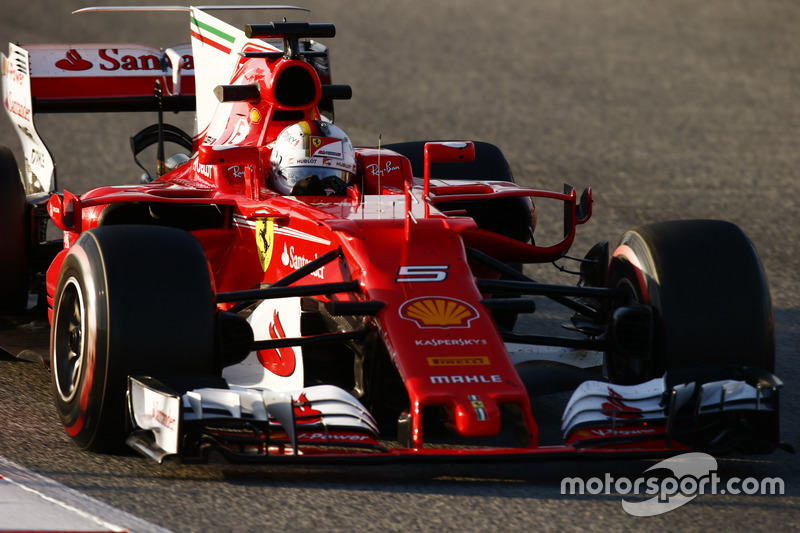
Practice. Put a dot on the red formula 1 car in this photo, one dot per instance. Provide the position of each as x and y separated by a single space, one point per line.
280 295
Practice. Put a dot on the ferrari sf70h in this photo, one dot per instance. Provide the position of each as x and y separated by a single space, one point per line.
271 293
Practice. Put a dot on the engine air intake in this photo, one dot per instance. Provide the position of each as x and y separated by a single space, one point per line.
295 87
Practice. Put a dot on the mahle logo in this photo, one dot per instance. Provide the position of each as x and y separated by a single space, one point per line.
692 474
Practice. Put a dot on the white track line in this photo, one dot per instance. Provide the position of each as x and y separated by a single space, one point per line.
32 502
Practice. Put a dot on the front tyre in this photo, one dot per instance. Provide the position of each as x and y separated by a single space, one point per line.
708 293
130 300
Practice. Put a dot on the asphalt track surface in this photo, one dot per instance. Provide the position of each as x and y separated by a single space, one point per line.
669 109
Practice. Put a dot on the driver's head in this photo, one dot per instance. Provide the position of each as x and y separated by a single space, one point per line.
312 157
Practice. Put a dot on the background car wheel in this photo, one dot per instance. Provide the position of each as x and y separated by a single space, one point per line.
130 300
708 292
14 265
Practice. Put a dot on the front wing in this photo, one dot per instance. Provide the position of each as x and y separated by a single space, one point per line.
325 423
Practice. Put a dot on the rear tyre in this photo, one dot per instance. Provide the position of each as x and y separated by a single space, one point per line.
14 265
130 300
706 287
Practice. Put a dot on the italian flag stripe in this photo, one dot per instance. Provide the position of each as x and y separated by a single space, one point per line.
211 43
215 31
206 39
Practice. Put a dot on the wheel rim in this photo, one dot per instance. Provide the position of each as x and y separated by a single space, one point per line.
69 341
628 278
628 286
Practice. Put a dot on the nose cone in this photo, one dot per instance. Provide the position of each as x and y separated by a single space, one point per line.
475 416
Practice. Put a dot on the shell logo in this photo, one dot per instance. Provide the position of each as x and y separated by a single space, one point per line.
438 312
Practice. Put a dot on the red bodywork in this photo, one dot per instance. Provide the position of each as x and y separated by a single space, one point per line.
385 240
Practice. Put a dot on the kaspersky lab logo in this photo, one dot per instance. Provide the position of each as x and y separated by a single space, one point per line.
692 474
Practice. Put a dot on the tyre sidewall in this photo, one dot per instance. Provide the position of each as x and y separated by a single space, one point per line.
149 310
81 414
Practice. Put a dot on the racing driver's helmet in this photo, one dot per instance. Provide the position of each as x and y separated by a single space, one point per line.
312 158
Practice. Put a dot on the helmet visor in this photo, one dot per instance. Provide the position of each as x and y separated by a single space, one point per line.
290 176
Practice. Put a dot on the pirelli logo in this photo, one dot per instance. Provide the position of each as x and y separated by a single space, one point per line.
458 361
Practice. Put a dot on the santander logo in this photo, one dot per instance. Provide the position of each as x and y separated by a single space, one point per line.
133 59
73 62
615 407
279 361
304 413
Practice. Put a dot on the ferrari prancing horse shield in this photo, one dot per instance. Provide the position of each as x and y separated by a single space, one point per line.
265 237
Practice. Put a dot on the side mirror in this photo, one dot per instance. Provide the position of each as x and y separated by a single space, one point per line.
65 211
449 152
446 152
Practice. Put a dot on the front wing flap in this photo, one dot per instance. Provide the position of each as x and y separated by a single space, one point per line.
244 422
715 416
